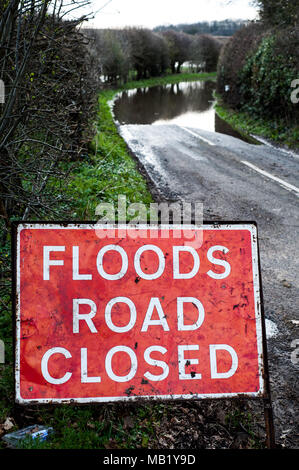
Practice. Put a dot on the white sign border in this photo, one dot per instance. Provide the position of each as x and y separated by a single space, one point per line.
88 226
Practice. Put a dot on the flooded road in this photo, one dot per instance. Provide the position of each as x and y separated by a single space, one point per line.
188 104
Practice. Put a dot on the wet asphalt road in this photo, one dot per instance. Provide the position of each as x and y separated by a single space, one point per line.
237 181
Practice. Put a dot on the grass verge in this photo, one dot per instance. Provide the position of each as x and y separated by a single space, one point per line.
275 131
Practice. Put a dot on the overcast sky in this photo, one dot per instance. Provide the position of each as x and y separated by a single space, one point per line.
150 13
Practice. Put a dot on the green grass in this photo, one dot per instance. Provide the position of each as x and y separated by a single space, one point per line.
98 426
277 131
237 421
108 171
6 333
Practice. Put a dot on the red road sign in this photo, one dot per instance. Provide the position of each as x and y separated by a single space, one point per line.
119 317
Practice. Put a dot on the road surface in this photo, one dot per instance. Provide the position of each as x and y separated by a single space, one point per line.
237 181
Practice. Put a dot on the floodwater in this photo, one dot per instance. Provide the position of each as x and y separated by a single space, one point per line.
188 104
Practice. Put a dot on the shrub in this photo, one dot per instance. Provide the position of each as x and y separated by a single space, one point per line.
256 69
279 12
232 60
268 73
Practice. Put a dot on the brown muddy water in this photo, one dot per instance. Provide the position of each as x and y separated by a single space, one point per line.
188 104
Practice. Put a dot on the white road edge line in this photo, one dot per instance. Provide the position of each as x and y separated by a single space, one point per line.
197 135
282 183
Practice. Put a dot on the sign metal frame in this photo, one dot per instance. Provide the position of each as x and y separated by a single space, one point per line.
264 393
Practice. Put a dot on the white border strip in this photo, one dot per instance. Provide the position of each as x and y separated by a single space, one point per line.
72 226
257 301
122 226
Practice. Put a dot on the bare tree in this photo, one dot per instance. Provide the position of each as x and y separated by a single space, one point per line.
111 50
179 48
205 50
149 52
